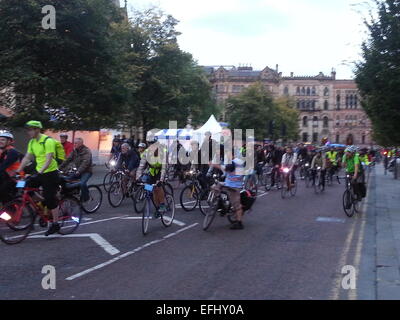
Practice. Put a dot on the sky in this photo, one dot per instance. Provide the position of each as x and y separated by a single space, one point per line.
301 36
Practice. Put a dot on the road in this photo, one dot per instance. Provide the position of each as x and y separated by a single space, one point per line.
290 249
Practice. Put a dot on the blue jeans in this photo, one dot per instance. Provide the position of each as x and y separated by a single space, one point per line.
83 185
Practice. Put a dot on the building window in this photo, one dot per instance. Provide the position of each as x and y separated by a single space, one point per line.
338 102
303 91
315 137
298 91
305 137
315 122
326 122
298 104
313 91
237 88
347 101
326 105
363 139
286 91
305 121
314 104
338 121
308 91
326 91
337 138
355 101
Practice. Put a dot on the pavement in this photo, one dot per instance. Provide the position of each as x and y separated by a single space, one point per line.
293 248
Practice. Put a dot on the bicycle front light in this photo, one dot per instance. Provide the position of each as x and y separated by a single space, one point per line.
5 216
286 170
113 163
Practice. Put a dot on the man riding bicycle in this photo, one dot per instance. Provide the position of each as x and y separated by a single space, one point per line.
42 149
81 159
289 160
235 173
9 163
319 162
154 159
351 162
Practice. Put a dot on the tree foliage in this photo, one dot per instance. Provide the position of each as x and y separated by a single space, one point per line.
256 109
378 75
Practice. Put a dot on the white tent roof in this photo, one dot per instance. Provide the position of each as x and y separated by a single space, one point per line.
212 125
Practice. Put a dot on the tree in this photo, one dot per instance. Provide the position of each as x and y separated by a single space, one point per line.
65 77
378 75
172 85
256 109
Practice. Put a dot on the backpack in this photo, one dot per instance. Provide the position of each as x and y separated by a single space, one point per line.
247 199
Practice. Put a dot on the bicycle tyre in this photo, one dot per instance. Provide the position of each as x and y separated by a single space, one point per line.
97 190
183 201
72 209
167 220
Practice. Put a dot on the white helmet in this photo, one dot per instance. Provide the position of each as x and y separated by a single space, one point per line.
142 145
6 134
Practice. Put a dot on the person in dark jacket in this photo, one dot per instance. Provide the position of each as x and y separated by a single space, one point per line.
275 157
81 160
129 160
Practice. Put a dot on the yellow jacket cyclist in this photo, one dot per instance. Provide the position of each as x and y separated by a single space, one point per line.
42 149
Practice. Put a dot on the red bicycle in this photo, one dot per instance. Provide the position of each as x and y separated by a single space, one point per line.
17 218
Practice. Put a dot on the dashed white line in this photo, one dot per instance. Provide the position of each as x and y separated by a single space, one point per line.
124 255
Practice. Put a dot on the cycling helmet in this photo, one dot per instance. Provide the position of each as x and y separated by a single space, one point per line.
34 124
142 145
6 134
351 149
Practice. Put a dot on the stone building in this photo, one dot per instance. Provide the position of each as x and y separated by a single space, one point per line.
329 107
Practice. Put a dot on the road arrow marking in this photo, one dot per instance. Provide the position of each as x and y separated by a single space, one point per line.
94 236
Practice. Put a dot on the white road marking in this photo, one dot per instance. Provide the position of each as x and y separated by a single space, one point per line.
126 254
94 236
327 219
177 222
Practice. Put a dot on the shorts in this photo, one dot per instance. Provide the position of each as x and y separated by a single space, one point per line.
50 183
234 198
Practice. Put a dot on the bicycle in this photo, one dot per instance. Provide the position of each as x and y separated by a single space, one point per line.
289 187
17 218
111 177
318 181
167 217
192 194
95 200
251 182
350 199
140 196
276 174
124 187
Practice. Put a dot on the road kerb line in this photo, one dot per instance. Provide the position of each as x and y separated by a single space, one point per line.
129 253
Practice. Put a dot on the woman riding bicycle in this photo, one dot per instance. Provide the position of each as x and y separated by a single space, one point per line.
289 161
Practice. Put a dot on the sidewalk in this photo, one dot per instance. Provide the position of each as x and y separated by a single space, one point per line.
384 206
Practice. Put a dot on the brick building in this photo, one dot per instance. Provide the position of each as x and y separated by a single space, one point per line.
329 107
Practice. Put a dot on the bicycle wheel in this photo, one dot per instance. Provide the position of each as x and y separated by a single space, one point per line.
146 216
116 194
189 198
139 200
168 189
348 204
95 200
317 184
70 213
108 179
203 201
167 218
251 184
16 230
211 211
285 190
293 190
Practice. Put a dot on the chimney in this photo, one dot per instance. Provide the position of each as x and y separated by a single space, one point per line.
333 74
277 68
291 74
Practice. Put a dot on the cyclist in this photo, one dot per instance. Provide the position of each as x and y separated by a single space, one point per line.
332 156
275 157
154 159
9 163
68 146
43 150
81 159
235 174
115 149
319 162
351 162
128 159
141 148
289 161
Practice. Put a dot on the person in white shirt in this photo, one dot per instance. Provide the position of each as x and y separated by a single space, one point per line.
289 160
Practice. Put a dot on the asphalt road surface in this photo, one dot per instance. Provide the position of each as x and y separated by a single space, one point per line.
291 248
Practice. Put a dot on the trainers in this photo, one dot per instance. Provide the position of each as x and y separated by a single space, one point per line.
238 225
54 228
